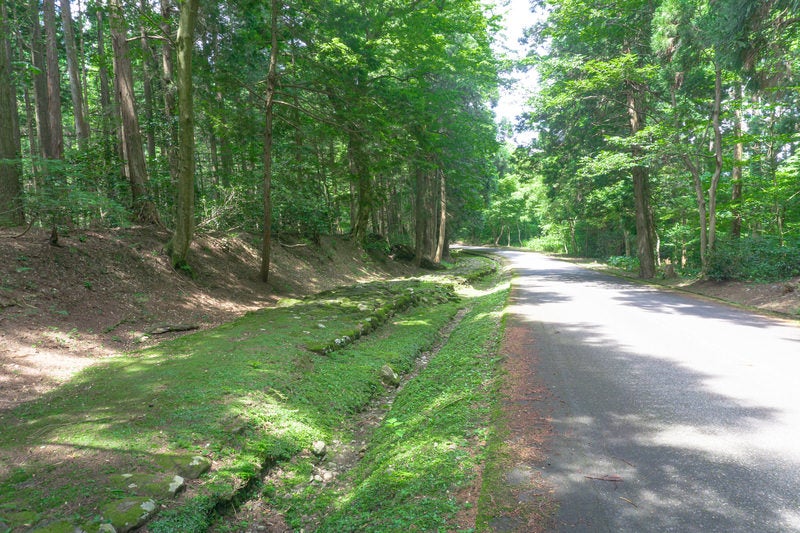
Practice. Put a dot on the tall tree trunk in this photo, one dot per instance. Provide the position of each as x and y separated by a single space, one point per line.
11 213
143 207
226 153
272 82
360 175
738 156
75 85
352 198
56 150
641 196
701 211
442 237
712 190
30 130
107 108
147 82
421 215
178 247
213 148
168 82
41 99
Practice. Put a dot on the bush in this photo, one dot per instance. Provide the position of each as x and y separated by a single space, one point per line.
549 243
624 262
64 201
754 259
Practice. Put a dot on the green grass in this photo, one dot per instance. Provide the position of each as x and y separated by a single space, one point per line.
246 394
428 446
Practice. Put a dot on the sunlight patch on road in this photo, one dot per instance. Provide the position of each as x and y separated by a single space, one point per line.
790 519
705 440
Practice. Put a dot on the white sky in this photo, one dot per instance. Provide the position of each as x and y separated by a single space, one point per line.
517 16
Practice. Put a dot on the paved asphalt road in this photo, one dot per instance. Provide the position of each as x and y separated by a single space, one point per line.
692 405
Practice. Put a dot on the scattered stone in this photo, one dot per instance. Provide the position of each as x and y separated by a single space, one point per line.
167 328
318 347
130 513
389 376
195 468
319 448
186 467
158 486
94 527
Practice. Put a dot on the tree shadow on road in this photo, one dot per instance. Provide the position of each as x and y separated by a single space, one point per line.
643 443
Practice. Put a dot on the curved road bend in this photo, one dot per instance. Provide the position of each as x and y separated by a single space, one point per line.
692 405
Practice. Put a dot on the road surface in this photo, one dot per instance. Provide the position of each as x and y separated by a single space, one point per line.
670 413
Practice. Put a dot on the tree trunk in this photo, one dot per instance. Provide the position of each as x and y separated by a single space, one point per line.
226 153
431 211
107 108
41 100
144 209
272 82
422 218
361 178
712 190
442 237
738 156
641 197
11 213
147 81
178 247
499 235
56 149
75 85
213 149
30 130
168 82
701 211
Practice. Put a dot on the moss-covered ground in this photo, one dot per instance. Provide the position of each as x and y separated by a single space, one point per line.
256 393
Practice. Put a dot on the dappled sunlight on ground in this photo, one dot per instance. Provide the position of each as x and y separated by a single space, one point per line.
670 413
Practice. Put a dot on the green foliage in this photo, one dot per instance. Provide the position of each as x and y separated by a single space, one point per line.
76 192
626 263
192 517
549 243
668 53
755 259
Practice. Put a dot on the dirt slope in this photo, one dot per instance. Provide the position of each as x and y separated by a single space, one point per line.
102 292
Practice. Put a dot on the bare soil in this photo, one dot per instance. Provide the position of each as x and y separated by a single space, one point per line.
102 293
782 298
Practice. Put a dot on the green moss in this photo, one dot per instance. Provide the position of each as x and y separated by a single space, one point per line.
129 513
426 447
182 395
18 518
